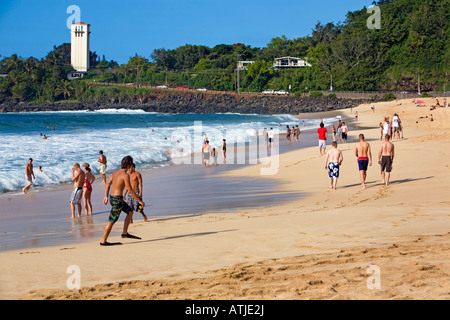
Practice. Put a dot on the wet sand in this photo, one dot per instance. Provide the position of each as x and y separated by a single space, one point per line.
44 218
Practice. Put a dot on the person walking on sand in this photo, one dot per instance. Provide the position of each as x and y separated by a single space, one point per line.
333 132
333 161
395 126
29 175
339 130
364 155
103 162
119 181
206 150
265 137
288 134
78 177
322 135
344 132
381 130
386 159
87 189
297 133
224 151
387 127
271 136
137 186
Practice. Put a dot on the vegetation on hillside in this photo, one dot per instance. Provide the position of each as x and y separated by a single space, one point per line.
413 42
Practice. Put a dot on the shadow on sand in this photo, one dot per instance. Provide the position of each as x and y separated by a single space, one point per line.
200 234
378 183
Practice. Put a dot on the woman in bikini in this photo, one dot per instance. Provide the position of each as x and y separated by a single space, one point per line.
87 189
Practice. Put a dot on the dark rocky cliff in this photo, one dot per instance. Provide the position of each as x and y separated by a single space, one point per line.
187 102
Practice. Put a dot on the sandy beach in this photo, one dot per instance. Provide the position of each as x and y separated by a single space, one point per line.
315 246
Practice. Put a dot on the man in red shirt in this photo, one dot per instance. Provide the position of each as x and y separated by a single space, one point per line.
322 134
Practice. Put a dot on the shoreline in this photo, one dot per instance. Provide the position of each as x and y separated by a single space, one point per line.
322 222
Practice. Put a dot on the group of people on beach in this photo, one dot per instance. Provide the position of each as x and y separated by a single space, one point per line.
124 188
339 132
83 180
269 136
209 152
363 153
125 183
121 183
292 135
391 126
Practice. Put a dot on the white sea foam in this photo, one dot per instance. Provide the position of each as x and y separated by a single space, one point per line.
154 143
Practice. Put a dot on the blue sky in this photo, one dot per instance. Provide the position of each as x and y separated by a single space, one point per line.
120 29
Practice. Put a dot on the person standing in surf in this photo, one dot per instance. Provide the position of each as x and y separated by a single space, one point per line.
87 189
78 177
224 151
29 175
103 162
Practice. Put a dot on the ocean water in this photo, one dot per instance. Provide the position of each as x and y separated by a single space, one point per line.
152 139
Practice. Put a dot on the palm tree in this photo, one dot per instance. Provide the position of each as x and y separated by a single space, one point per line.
66 89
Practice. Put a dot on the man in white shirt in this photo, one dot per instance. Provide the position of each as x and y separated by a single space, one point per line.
395 126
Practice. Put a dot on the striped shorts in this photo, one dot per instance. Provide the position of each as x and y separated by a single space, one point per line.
76 196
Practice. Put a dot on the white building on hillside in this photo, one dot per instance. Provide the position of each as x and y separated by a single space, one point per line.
80 35
242 65
290 62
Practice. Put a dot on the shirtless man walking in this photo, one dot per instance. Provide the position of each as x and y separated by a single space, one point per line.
344 132
364 155
385 159
103 162
137 186
29 175
119 181
78 177
206 151
333 160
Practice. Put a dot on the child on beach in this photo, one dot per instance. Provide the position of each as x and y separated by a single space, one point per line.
214 155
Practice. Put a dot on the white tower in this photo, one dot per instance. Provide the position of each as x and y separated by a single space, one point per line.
80 35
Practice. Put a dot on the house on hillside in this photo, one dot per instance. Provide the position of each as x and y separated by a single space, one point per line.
290 62
75 75
242 65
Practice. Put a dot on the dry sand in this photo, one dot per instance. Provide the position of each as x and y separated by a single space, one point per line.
316 247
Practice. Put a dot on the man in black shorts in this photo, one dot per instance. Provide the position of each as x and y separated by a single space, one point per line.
385 159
